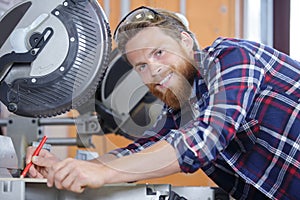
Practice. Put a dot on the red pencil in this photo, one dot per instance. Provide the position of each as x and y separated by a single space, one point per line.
36 152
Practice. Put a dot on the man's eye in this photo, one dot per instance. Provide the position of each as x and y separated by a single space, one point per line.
141 67
158 52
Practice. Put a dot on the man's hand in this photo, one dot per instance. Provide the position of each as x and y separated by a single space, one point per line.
41 163
76 175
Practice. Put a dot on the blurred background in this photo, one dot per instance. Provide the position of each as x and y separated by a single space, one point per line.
273 22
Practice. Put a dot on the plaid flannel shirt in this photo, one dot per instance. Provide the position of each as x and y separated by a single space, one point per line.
242 126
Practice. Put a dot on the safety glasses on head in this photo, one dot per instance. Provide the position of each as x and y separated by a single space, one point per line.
139 14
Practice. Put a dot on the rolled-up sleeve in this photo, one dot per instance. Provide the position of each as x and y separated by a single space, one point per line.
160 130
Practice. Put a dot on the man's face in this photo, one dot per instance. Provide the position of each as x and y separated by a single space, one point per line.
163 64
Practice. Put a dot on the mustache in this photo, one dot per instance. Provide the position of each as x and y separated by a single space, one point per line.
175 97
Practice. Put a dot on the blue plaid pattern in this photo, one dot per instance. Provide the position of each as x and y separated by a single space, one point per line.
245 133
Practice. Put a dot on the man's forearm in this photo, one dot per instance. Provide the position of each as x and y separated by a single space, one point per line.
156 161
104 159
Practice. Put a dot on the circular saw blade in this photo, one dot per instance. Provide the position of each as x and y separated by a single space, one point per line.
73 42
123 102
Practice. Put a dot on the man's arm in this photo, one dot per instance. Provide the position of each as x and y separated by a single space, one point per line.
104 159
74 175
47 159
156 161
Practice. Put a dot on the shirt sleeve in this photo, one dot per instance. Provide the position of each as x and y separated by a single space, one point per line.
160 130
233 77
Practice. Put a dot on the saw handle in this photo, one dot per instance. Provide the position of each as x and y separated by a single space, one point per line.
7 60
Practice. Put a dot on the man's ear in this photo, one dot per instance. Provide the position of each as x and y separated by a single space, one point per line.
187 41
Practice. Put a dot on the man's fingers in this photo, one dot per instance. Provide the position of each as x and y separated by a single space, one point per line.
54 169
30 151
40 161
71 174
76 187
33 172
73 183
63 177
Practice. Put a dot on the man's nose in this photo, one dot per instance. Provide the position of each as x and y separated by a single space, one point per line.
155 69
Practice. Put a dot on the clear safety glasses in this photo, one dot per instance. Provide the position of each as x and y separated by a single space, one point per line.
139 14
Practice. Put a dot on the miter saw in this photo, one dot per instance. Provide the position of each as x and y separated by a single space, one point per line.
56 56
53 54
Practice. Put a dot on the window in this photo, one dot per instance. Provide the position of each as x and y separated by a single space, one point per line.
258 21
295 30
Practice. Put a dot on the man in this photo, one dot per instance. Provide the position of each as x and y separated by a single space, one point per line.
232 109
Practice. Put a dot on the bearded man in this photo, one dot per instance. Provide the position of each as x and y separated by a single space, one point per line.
231 109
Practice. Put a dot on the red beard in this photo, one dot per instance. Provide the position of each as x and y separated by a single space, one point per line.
177 97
